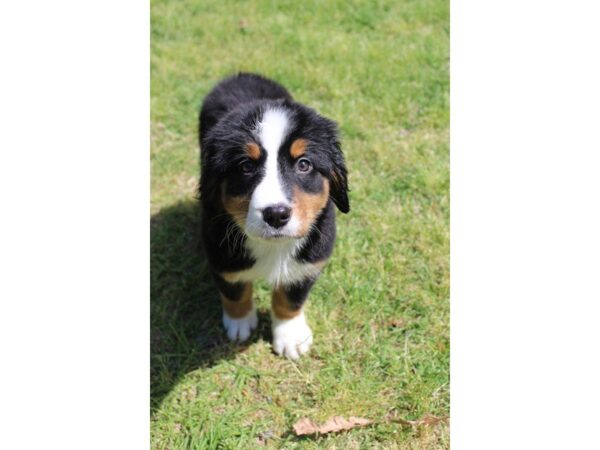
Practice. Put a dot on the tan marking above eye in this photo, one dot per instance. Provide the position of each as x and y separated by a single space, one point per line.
253 150
298 148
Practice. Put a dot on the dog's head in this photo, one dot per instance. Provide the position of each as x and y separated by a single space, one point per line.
273 166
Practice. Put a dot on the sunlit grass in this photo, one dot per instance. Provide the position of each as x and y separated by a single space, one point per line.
380 311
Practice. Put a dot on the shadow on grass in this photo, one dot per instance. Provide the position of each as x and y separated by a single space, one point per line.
186 330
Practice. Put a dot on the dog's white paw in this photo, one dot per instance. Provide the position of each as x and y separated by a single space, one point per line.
291 337
240 329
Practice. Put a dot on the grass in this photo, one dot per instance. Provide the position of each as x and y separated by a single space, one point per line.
380 311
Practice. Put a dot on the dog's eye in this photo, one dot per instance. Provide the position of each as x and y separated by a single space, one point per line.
303 165
247 166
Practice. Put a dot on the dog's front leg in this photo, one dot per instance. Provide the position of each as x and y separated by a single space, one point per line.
291 334
239 314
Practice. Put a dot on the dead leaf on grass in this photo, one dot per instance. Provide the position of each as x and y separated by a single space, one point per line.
306 426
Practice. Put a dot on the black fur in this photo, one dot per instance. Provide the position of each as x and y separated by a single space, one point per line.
235 91
228 116
233 291
297 293
319 245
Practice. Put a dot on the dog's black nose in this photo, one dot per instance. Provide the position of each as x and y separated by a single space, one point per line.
277 215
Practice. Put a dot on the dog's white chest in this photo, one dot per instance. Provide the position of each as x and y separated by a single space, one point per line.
275 263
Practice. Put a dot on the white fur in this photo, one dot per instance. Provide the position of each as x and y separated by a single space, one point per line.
240 329
271 131
275 262
274 257
291 337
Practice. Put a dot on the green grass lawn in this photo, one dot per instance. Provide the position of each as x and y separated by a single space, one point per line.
380 311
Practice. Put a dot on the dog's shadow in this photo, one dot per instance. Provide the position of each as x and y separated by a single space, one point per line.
185 312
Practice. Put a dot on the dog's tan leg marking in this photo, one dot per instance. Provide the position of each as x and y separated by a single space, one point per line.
239 316
230 277
292 336
236 309
281 306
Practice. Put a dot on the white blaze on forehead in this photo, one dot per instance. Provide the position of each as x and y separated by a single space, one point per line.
272 131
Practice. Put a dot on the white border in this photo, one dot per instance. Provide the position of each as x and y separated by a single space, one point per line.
74 90
525 226
74 233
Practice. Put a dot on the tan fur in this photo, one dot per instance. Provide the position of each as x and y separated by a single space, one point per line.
298 148
281 306
240 308
253 150
236 206
230 277
320 264
307 206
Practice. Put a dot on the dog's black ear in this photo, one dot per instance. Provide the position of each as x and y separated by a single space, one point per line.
338 179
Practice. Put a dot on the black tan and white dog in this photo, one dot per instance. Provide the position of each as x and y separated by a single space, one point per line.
272 171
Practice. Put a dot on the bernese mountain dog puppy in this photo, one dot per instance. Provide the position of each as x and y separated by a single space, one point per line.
271 172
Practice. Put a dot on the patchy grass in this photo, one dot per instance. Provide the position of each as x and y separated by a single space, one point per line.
380 311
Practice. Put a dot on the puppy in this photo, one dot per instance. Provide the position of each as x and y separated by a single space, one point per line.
271 172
